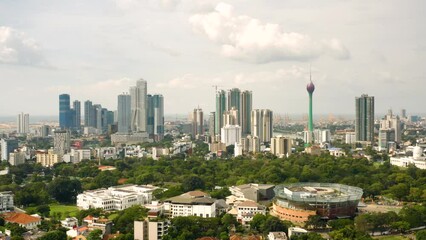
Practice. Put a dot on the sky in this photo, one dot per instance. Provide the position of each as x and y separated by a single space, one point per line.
95 50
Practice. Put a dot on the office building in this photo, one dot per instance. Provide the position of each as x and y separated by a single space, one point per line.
23 123
139 106
234 102
89 114
77 114
364 118
65 115
261 124
281 146
197 123
124 113
7 146
220 109
155 117
245 112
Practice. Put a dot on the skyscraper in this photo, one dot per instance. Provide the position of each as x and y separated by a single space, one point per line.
65 120
61 142
158 109
234 101
197 122
124 113
212 124
245 112
139 105
390 130
77 114
23 123
310 88
364 118
89 114
220 109
261 124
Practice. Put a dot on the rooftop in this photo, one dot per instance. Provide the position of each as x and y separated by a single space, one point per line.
20 218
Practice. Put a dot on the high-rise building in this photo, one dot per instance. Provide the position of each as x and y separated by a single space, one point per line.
212 124
280 146
77 114
89 114
65 118
124 113
7 146
390 130
310 88
230 134
23 123
261 124
220 109
155 116
197 123
364 118
231 117
61 142
234 101
245 112
139 106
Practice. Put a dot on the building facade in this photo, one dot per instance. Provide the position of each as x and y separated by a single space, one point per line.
124 113
261 124
23 123
197 123
364 118
281 146
139 106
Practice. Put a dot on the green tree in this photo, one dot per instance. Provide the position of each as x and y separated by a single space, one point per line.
349 233
421 235
124 221
315 222
64 190
258 222
340 223
15 229
54 235
192 183
44 210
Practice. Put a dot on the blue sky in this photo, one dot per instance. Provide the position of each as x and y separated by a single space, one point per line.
97 49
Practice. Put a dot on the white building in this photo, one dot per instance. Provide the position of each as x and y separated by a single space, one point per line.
6 201
296 231
158 152
247 210
230 134
23 123
69 222
17 158
281 146
238 150
194 203
417 159
350 138
116 198
277 236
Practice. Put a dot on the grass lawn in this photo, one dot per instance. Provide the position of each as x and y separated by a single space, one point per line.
112 216
70 210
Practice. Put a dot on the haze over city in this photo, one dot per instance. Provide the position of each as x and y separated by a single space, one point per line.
98 49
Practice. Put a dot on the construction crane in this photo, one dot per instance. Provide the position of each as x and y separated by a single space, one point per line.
215 87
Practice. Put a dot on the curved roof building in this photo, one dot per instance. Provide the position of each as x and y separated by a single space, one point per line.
297 201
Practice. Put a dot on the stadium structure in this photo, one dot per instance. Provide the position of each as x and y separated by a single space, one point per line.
296 202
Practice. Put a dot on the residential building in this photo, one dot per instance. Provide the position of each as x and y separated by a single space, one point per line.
194 203
364 118
69 222
245 112
231 117
281 146
220 109
251 144
45 131
197 123
230 134
17 158
350 138
116 198
155 115
22 219
101 223
61 142
89 114
390 130
47 158
8 146
261 124
212 125
6 202
151 229
139 106
23 123
124 113
234 102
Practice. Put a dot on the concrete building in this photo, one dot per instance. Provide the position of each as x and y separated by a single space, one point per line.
139 106
116 198
251 144
281 146
23 123
277 236
69 222
220 109
231 117
47 158
45 131
261 124
247 210
155 115
22 219
230 134
8 146
77 115
197 123
238 150
6 202
390 131
212 117
350 138
245 112
253 191
17 158
418 159
129 139
61 142
364 118
151 229
194 203
124 113
101 223
296 231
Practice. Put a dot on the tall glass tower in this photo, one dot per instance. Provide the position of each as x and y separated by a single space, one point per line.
65 118
220 109
364 118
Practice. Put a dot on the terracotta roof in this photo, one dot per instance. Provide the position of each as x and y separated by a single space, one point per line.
20 218
252 237
89 217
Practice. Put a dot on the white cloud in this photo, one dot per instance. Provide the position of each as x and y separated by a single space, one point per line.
17 48
248 39
188 81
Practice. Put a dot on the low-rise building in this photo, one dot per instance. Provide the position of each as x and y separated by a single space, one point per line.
253 191
247 210
103 224
24 220
417 159
17 158
69 222
277 236
194 203
296 231
116 198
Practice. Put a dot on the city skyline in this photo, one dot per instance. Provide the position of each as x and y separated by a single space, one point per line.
183 46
